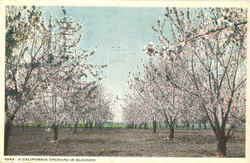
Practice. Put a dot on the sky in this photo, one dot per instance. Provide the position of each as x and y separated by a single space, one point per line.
119 35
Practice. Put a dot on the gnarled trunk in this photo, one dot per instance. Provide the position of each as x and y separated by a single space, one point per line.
221 147
222 137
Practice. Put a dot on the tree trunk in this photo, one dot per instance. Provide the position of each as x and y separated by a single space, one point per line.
55 133
221 147
7 128
205 126
200 125
86 125
7 132
171 133
140 126
75 128
91 124
154 126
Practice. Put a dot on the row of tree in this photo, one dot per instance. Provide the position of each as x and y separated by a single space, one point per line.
195 72
48 79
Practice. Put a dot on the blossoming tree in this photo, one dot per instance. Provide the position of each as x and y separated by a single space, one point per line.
209 46
43 58
24 39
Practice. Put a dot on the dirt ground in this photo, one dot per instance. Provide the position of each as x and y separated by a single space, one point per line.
121 142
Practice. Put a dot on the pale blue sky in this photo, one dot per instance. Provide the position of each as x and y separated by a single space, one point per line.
118 34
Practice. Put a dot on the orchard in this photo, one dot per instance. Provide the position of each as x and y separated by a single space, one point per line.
198 67
190 86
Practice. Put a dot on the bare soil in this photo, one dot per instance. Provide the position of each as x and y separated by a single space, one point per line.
121 142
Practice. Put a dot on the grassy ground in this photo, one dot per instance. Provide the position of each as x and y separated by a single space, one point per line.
121 142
